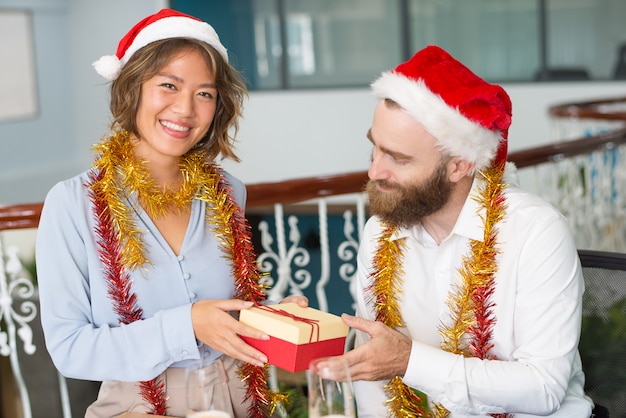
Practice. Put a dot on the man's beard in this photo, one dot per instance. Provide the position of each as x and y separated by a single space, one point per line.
406 205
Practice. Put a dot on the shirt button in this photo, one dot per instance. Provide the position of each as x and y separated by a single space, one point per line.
186 276
192 295
184 353
181 257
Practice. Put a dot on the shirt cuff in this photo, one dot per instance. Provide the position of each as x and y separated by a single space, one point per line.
432 370
177 330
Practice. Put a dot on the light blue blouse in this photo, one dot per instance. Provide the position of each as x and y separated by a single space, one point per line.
82 332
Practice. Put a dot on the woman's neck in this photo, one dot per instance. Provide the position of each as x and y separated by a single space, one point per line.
164 169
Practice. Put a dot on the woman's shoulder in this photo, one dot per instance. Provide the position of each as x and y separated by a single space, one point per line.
231 179
237 186
70 186
68 192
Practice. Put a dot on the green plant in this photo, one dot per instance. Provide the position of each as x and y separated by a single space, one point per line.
297 401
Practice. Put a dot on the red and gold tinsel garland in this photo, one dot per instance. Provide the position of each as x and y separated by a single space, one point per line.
233 231
121 245
470 302
119 285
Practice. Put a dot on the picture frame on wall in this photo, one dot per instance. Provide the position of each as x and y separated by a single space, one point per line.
18 85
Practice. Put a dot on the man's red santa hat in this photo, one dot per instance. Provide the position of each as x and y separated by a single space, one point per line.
165 24
469 117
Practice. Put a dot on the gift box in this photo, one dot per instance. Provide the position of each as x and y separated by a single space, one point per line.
297 335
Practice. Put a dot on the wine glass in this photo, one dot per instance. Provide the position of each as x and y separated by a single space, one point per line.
207 391
330 389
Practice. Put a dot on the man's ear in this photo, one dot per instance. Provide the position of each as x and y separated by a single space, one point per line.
459 168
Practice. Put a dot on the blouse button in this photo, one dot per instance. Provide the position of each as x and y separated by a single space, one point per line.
187 276
192 295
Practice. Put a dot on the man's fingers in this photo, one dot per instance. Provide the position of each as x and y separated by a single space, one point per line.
335 368
369 327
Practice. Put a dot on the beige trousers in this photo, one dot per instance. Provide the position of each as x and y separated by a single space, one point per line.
117 397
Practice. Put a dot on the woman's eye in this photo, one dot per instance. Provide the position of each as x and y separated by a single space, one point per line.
207 94
168 85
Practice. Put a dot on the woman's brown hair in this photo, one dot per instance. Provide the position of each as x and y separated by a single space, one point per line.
149 60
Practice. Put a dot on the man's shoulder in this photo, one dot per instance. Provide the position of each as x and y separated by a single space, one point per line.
530 208
517 197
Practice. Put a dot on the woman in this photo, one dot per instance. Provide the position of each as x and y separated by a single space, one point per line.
143 259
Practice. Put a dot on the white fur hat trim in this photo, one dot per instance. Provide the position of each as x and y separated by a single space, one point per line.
456 134
109 66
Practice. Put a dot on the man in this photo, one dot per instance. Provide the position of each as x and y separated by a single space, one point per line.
470 289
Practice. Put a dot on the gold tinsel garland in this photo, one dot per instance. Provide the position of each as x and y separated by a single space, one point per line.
123 175
120 175
469 302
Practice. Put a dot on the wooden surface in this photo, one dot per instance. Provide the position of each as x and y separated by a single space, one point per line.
10 404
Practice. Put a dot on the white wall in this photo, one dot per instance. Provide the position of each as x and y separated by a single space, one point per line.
283 134
309 133
73 105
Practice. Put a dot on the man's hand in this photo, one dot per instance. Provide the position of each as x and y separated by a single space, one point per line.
385 355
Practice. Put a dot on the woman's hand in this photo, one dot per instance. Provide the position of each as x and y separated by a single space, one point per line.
216 327
300 300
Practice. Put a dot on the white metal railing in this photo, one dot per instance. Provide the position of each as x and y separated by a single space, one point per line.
590 191
18 310
288 261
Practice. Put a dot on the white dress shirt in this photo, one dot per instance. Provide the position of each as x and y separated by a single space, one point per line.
538 301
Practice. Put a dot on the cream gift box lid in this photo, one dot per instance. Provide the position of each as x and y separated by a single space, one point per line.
314 325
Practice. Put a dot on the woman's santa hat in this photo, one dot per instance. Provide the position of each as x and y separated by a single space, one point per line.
469 117
165 24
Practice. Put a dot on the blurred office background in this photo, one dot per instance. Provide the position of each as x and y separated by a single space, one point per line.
308 63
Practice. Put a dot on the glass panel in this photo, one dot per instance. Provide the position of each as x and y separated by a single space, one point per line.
586 35
267 44
345 43
497 39
341 42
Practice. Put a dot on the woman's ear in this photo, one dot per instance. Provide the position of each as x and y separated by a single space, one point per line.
459 168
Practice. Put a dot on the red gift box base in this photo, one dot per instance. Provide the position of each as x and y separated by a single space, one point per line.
296 357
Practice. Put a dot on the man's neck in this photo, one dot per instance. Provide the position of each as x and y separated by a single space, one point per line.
440 224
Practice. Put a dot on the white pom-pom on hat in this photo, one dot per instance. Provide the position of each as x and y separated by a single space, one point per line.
108 66
165 24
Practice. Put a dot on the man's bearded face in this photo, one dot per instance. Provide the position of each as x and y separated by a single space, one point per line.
405 205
